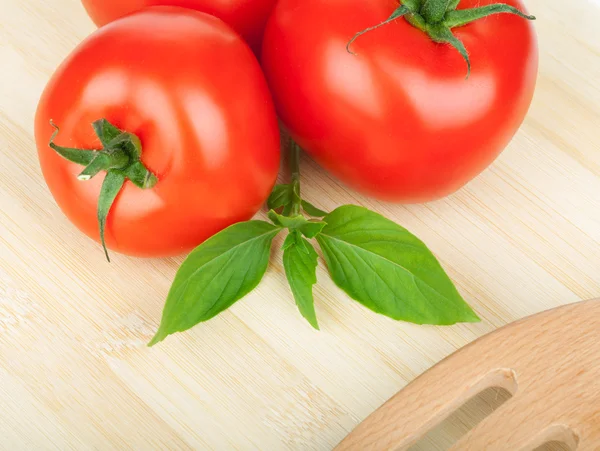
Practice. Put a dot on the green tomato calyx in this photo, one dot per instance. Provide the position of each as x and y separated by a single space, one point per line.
437 18
120 158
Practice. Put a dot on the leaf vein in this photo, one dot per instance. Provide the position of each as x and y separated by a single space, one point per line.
232 249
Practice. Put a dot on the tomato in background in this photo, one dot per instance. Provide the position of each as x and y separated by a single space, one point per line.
247 17
398 119
171 76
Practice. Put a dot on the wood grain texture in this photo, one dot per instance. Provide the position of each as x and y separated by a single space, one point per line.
550 363
74 371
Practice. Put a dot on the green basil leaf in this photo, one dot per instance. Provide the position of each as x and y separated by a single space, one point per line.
387 269
312 210
280 197
283 196
290 240
300 264
219 272
309 229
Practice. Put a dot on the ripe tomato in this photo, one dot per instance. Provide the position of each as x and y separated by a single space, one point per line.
247 17
192 91
398 119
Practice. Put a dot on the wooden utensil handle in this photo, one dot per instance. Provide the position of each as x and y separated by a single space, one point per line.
549 362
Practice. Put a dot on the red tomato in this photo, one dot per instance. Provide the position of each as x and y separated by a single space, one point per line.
398 119
247 17
193 92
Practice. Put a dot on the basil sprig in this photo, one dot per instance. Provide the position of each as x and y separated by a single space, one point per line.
374 260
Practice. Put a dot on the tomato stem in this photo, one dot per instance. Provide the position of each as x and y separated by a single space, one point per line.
104 162
119 158
398 12
437 18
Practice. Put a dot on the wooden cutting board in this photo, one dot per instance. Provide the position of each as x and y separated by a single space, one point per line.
74 371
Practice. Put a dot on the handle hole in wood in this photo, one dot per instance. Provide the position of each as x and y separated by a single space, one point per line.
557 437
453 402
461 421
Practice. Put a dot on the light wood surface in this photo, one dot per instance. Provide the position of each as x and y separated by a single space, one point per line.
74 369
549 363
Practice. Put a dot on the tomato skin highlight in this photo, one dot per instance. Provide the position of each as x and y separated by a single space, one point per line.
398 120
172 77
247 17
